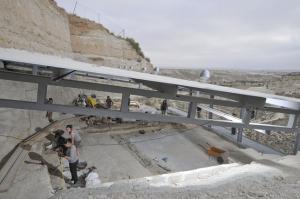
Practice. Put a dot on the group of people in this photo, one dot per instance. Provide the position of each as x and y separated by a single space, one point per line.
91 101
82 101
67 144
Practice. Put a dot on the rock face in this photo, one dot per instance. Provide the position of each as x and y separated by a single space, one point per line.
35 26
41 26
91 42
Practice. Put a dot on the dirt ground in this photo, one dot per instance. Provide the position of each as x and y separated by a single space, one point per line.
129 150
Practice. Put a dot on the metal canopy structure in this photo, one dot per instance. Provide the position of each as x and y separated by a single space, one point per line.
55 69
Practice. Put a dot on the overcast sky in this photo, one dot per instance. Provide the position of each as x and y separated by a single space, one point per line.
240 34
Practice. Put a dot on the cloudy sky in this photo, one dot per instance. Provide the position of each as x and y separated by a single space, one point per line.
240 34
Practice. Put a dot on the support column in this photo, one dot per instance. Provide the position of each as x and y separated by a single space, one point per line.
2 65
297 142
292 123
125 102
192 110
192 107
42 93
210 115
245 115
296 126
240 135
35 70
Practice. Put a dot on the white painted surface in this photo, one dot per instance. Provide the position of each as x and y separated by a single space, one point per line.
172 150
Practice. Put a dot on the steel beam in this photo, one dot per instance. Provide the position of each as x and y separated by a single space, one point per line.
163 88
133 91
279 110
17 104
283 103
113 89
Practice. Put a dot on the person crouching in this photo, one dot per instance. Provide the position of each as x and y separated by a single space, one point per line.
72 157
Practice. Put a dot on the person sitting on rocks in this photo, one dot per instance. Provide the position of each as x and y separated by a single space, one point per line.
92 179
109 102
92 101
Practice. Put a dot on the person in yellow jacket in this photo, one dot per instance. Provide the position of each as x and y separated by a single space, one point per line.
92 101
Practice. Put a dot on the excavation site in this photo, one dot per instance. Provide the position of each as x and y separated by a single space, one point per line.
101 100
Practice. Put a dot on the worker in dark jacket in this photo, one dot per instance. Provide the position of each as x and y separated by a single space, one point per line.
49 114
109 102
164 107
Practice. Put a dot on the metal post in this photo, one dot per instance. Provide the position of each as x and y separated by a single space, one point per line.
192 107
210 115
2 65
240 135
292 121
245 116
297 142
296 126
35 70
42 93
125 102
192 110
240 130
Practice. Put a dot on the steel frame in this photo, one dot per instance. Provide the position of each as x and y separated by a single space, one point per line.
243 103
